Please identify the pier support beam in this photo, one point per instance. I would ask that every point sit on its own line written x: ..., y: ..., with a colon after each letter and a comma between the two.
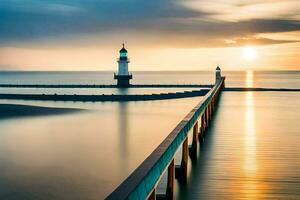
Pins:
x: 206, y: 117
x: 181, y: 170
x: 210, y: 111
x: 193, y: 148
x: 171, y: 177
x: 169, y: 195
x: 152, y: 195
x: 202, y: 128
x: 215, y: 102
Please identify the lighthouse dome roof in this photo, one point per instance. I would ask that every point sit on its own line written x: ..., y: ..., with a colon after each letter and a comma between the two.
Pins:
x: 123, y: 50
x: 218, y: 68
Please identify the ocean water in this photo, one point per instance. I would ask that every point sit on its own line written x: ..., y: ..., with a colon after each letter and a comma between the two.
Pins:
x: 278, y: 79
x: 265, y: 79
x: 251, y: 151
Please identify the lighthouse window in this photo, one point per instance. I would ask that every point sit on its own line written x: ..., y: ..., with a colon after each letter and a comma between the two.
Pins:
x: 123, y: 54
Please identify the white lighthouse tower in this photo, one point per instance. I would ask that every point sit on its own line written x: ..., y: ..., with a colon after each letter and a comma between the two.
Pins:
x: 123, y: 75
x: 218, y: 74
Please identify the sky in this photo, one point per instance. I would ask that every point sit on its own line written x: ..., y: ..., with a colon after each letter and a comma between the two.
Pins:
x: 159, y: 34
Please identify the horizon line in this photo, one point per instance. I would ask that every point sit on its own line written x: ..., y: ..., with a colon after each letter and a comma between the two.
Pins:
x: 206, y: 70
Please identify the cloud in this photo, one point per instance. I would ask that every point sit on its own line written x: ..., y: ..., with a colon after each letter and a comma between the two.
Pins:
x: 21, y: 20
x: 172, y: 23
x: 239, y: 10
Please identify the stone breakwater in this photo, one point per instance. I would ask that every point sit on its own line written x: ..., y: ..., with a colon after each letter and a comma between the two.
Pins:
x: 104, y: 86
x: 105, y: 97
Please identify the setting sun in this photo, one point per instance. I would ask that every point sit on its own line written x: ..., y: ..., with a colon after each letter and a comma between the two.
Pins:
x: 249, y: 53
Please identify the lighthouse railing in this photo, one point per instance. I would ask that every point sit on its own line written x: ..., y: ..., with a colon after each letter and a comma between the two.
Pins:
x: 119, y: 59
x: 143, y: 181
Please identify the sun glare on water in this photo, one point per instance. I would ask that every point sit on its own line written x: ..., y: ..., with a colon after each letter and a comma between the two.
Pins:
x: 249, y: 53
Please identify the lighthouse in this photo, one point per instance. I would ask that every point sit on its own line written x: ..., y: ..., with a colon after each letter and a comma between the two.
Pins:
x: 123, y: 76
x: 218, y: 74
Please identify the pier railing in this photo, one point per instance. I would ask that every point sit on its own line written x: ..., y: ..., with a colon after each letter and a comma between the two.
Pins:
x: 142, y: 183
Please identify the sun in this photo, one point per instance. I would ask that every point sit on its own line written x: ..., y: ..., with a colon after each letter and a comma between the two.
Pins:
x: 249, y: 53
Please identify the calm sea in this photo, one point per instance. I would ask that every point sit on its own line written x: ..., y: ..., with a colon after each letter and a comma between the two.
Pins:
x: 252, y: 151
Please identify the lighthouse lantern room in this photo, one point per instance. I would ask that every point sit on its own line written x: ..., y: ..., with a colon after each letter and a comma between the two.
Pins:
x: 123, y: 76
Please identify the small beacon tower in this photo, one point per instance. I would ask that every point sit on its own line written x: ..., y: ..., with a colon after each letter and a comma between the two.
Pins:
x: 218, y: 74
x: 123, y: 75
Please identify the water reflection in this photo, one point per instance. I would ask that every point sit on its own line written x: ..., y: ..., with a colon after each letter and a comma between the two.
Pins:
x: 83, y: 155
x: 249, y: 78
x: 252, y: 151
x: 250, y: 136
x: 250, y: 173
x: 123, y: 131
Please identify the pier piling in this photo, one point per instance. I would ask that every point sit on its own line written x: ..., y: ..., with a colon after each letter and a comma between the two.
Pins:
x: 206, y: 118
x: 193, y: 148
x: 202, y: 128
x: 152, y: 195
x: 171, y: 177
x: 181, y: 170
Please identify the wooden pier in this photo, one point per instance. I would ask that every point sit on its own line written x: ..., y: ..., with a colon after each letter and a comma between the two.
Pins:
x: 142, y: 183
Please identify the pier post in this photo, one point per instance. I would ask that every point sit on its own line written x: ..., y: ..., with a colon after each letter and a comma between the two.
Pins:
x: 204, y: 122
x: 215, y: 102
x: 206, y: 117
x: 202, y: 128
x: 152, y: 195
x: 170, y: 184
x: 193, y: 148
x: 181, y: 170
x: 210, y: 111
